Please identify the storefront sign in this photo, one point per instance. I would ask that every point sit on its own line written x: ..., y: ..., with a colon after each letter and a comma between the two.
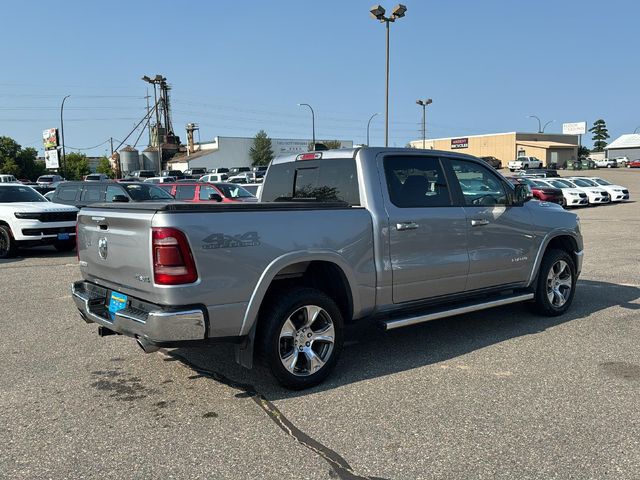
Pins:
x: 578, y: 128
x: 459, y: 143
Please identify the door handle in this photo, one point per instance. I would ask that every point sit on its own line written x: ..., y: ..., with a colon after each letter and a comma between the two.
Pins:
x: 479, y: 222
x: 406, y: 226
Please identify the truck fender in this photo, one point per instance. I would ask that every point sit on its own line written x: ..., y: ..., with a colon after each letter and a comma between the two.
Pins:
x: 543, y: 248
x: 278, y: 264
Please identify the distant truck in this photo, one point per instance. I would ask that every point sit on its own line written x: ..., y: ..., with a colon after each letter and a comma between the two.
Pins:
x: 524, y: 163
x: 392, y: 236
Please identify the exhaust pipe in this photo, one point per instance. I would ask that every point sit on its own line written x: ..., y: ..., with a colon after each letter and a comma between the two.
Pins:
x: 146, y: 346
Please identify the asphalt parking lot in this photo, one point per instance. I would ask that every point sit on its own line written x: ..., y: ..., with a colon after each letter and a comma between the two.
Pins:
x: 495, y: 394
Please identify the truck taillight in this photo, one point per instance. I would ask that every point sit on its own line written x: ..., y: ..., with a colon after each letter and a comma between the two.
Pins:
x: 172, y: 259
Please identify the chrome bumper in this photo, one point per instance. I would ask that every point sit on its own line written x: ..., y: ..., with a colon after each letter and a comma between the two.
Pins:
x: 139, y: 319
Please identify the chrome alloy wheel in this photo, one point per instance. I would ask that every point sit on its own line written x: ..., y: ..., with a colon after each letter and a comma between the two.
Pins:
x: 306, y: 340
x: 559, y: 284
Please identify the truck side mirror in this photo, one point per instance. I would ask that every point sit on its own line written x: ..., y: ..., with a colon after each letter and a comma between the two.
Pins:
x: 522, y: 194
x: 215, y: 196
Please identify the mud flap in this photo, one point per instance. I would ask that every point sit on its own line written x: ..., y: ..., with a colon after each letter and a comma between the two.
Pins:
x: 244, y: 351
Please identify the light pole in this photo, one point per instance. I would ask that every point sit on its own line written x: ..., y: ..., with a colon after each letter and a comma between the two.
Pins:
x: 424, y: 104
x: 313, y: 124
x: 64, y: 158
x: 368, y: 124
x: 377, y: 12
x: 539, y: 123
x: 540, y: 127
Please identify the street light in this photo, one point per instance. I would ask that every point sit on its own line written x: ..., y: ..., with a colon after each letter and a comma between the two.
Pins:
x: 313, y: 124
x: 540, y: 127
x: 377, y: 12
x: 369, y: 124
x: 424, y: 104
x: 64, y: 157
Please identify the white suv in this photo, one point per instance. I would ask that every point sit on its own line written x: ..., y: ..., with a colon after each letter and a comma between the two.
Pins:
x: 28, y: 219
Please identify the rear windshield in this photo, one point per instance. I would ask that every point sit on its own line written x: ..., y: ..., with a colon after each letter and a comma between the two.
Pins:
x: 139, y: 192
x: 20, y: 194
x: 320, y: 180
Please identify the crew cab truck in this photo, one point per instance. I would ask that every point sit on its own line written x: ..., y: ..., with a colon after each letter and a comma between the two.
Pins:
x: 27, y: 219
x: 375, y: 235
x: 524, y: 163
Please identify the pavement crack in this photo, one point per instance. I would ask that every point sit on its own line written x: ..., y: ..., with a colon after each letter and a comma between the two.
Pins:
x: 340, y: 466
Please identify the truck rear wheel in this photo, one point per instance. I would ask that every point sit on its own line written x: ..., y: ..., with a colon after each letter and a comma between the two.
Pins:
x: 301, y: 334
x: 8, y: 245
x: 555, y: 286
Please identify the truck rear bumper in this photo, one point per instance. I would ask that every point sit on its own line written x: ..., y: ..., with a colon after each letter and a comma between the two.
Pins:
x: 156, y: 324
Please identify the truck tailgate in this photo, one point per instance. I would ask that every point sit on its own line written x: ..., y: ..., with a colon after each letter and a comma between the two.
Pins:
x: 114, y: 248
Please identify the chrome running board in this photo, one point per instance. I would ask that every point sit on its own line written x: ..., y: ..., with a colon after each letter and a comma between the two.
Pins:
x: 443, y: 313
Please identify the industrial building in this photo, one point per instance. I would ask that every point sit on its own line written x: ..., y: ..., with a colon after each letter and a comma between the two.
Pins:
x: 234, y: 152
x: 625, y: 146
x: 551, y: 148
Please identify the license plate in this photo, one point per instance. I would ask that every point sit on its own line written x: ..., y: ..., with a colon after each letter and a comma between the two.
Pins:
x: 63, y: 236
x: 117, y: 302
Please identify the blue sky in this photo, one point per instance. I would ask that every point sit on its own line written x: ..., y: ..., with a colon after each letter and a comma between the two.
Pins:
x: 238, y: 67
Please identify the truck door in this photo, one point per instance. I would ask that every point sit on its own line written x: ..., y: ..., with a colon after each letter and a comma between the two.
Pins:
x: 501, y: 235
x: 427, y: 230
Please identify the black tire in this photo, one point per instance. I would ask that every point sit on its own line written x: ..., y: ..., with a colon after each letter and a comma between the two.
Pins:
x: 291, y: 303
x: 541, y: 303
x: 8, y: 245
x: 65, y: 246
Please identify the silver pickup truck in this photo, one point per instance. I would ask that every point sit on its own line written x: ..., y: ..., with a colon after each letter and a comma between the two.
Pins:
x: 392, y: 236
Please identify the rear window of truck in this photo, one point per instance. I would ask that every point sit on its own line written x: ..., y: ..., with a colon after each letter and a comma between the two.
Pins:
x: 327, y: 180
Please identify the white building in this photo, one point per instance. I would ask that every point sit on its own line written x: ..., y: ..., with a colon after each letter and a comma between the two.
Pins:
x: 234, y: 152
x: 625, y: 146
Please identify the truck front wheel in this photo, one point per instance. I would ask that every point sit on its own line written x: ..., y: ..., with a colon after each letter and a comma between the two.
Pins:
x: 7, y: 243
x: 301, y: 334
x: 556, y: 284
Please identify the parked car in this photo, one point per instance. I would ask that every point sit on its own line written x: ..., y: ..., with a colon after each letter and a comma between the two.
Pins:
x: 49, y: 195
x: 219, y: 170
x: 344, y: 235
x: 540, y: 172
x: 237, y: 170
x: 194, y: 173
x: 214, y: 177
x: 540, y: 191
x: 606, y: 163
x: 45, y: 180
x: 634, y: 163
x: 524, y: 163
x: 97, y: 177
x: 621, y: 161
x: 27, y: 219
x: 617, y: 193
x: 209, y: 192
x: 81, y: 194
x: 596, y: 195
x: 139, y: 175
x: 160, y: 180
x: 573, y: 197
x: 493, y: 161
x: 8, y: 179
x: 172, y: 173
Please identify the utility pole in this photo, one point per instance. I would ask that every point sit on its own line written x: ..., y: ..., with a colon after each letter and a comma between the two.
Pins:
x: 147, y: 96
x: 111, y: 141
x: 64, y: 157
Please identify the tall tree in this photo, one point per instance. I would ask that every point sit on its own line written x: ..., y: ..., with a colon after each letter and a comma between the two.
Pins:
x: 261, y: 152
x: 104, y: 166
x: 600, y: 135
x: 76, y: 166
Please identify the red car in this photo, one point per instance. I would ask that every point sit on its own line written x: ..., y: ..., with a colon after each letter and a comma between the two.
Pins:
x: 634, y: 163
x: 540, y: 191
x: 208, y: 192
